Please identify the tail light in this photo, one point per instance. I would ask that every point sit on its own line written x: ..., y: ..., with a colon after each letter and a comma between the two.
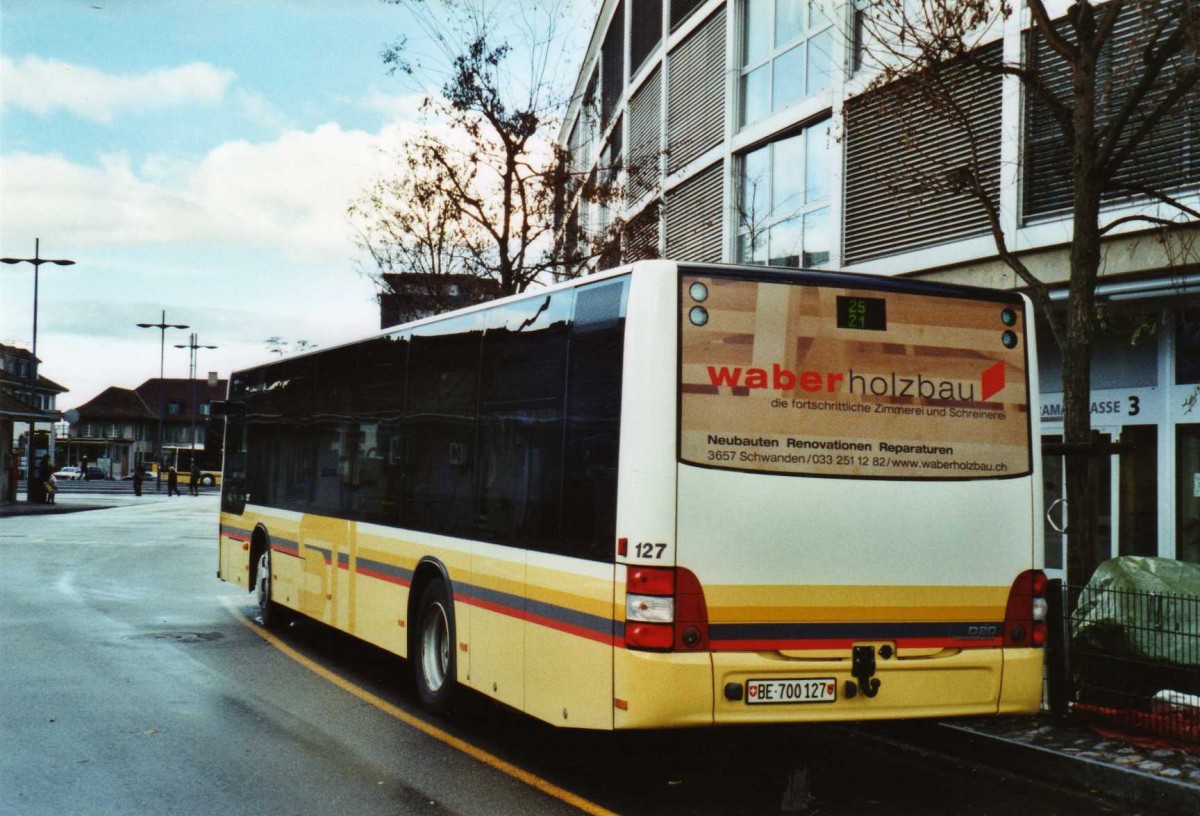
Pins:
x: 665, y: 610
x: 1025, y: 617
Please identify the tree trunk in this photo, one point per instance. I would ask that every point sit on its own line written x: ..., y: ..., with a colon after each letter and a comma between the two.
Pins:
x: 1082, y: 469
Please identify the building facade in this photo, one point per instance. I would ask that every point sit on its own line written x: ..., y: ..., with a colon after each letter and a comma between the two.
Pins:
x: 414, y: 295
x: 747, y: 131
x: 19, y: 415
x: 118, y: 428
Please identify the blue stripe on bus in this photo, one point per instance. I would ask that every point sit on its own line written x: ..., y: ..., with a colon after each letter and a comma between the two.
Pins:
x: 857, y: 631
x: 325, y: 552
x: 385, y: 572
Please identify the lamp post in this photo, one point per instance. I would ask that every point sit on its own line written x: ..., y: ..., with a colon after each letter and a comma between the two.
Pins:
x: 192, y: 345
x: 162, y: 325
x: 37, y: 262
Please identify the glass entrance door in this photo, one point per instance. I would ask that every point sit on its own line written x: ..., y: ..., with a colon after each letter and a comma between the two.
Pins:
x: 1057, y: 516
x: 1187, y: 493
x: 1127, y: 482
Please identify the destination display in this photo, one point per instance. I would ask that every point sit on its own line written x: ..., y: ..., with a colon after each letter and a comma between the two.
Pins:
x: 797, y: 378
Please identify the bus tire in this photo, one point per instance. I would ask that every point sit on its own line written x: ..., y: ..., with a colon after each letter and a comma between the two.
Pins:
x: 207, y: 480
x: 270, y: 613
x: 433, y: 657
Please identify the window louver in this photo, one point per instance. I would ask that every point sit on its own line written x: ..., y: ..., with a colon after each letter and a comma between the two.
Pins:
x: 1168, y: 159
x: 694, y: 218
x: 696, y: 93
x: 907, y: 157
x: 641, y: 235
x: 644, y: 136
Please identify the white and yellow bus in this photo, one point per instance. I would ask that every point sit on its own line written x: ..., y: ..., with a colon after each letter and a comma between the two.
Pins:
x: 664, y: 495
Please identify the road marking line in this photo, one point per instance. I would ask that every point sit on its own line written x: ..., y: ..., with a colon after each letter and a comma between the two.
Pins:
x: 545, y: 786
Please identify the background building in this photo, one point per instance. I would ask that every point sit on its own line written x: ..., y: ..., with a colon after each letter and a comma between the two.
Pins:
x: 745, y: 133
x: 118, y: 427
x: 413, y: 295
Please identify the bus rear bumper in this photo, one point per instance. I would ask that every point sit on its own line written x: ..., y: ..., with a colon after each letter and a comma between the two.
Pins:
x: 655, y: 690
x: 952, y: 683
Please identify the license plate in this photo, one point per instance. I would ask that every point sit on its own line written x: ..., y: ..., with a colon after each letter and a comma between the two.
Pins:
x: 809, y: 690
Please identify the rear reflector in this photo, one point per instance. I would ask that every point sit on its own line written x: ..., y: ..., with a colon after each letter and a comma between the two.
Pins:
x: 1025, y: 616
x: 650, y: 581
x: 665, y: 610
x: 649, y: 636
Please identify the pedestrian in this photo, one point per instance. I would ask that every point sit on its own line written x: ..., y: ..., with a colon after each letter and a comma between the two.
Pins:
x: 51, y: 488
x: 195, y: 485
x: 138, y: 477
x: 14, y: 476
x: 173, y: 482
x: 39, y: 480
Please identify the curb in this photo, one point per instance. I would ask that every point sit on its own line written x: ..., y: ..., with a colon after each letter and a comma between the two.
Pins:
x: 1127, y: 784
x: 14, y: 511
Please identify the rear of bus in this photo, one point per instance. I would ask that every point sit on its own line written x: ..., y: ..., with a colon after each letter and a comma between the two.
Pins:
x: 838, y: 518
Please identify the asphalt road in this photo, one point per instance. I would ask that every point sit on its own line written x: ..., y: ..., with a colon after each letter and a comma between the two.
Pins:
x: 130, y: 683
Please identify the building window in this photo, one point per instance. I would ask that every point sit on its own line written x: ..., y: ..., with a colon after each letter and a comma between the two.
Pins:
x: 783, y: 200
x: 645, y: 31
x: 174, y: 408
x: 787, y: 55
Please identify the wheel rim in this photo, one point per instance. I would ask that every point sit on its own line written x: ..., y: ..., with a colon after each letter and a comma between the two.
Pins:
x: 263, y: 583
x: 435, y: 647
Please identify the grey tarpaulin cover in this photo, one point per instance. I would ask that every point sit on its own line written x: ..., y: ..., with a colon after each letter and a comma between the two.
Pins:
x: 1140, y: 607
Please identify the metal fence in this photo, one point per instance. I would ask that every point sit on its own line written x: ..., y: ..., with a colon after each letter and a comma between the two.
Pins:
x: 1128, y: 660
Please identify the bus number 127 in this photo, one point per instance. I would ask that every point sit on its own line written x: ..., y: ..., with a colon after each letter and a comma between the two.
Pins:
x: 650, y: 549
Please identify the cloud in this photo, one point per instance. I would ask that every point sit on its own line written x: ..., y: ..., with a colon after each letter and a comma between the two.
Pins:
x: 256, y: 108
x: 288, y: 194
x: 396, y: 107
x: 45, y: 86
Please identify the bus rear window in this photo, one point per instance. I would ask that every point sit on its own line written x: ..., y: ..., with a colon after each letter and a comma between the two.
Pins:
x: 797, y: 377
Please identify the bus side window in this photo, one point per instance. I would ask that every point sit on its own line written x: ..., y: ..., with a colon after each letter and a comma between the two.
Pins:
x: 521, y: 421
x: 595, y: 359
x: 439, y: 477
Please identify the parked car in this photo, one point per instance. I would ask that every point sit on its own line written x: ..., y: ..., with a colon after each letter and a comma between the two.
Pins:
x: 94, y: 474
x: 69, y: 472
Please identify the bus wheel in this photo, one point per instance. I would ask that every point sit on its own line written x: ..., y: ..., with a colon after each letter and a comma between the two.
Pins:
x: 269, y: 612
x: 207, y: 480
x: 433, y: 663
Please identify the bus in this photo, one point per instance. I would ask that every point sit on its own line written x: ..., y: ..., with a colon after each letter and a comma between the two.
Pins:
x: 664, y: 495
x: 181, y: 459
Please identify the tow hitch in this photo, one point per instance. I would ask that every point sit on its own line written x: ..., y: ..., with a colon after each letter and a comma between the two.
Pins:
x: 862, y: 668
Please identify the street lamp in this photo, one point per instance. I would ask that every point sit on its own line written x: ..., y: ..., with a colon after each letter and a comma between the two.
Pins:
x: 193, y: 344
x: 37, y: 262
x: 162, y: 325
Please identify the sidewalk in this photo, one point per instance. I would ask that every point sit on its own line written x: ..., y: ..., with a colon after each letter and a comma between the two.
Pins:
x: 1156, y: 778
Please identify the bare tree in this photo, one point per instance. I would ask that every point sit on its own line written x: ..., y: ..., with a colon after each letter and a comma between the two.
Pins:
x: 408, y: 229
x: 480, y: 181
x: 1103, y: 80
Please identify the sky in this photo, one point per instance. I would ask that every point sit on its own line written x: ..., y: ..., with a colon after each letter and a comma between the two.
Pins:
x: 197, y: 157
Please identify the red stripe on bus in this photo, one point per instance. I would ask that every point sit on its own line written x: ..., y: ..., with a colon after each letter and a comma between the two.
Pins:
x: 294, y: 552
